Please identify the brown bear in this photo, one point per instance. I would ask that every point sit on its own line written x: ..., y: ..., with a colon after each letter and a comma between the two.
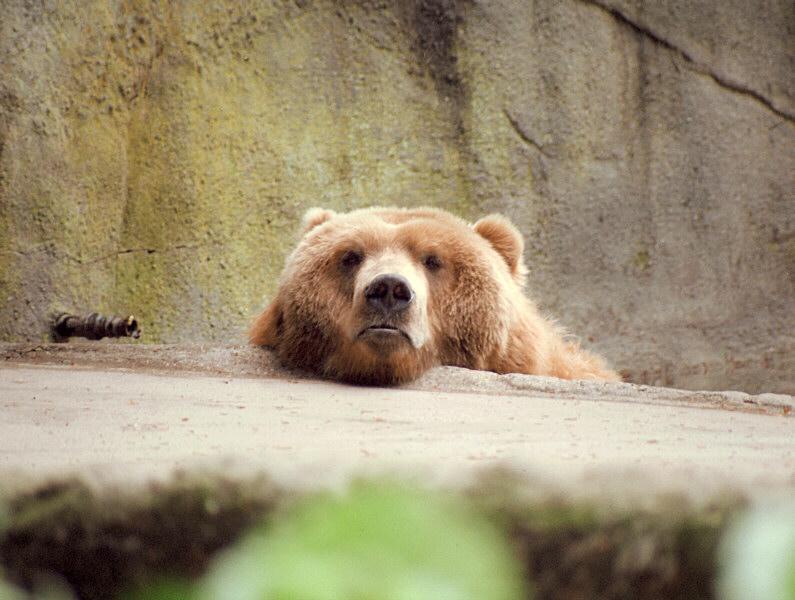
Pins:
x: 380, y: 295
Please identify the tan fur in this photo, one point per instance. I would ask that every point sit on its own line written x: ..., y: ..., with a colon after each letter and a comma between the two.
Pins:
x: 315, y: 217
x: 470, y: 311
x: 507, y: 241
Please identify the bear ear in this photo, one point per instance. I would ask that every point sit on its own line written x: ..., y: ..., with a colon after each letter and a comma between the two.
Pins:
x: 314, y: 217
x: 506, y: 240
x: 266, y: 329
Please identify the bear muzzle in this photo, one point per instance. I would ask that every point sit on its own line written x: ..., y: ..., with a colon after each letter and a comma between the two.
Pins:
x: 390, y: 297
x: 389, y: 294
x: 386, y: 299
x: 389, y: 309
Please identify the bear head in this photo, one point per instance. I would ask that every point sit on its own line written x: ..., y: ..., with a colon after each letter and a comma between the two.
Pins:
x: 378, y: 296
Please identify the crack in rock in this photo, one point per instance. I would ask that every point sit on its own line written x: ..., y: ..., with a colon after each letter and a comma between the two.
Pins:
x: 523, y: 135
x: 88, y: 261
x: 693, y: 64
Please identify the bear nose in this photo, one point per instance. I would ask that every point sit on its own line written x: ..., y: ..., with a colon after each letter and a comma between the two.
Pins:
x: 389, y: 293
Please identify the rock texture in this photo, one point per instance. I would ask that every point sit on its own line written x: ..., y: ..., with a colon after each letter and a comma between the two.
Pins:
x: 155, y: 160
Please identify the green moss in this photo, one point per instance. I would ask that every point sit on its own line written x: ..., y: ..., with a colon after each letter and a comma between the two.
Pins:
x: 9, y: 275
x: 554, y: 515
x: 789, y: 259
x: 171, y: 163
x: 642, y: 260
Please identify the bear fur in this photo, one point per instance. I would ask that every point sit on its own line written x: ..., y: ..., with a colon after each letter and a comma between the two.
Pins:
x: 380, y: 295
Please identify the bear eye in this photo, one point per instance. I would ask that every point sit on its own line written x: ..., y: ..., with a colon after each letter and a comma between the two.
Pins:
x: 432, y: 262
x: 351, y: 259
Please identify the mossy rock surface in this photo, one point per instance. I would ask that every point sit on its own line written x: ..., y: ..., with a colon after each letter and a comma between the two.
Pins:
x: 105, y: 543
x: 156, y: 160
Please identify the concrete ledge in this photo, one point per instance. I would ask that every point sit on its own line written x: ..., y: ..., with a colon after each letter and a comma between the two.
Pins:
x: 245, y: 361
x: 134, y: 413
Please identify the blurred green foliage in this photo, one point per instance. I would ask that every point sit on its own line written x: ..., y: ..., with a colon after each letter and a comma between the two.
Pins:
x: 378, y: 542
x: 758, y: 556
x: 386, y: 541
x: 48, y: 590
x: 10, y: 593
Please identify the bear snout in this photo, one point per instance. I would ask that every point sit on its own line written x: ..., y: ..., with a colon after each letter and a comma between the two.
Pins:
x: 389, y: 293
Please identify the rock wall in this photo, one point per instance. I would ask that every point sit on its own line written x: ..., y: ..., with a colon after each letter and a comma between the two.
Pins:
x: 155, y: 158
